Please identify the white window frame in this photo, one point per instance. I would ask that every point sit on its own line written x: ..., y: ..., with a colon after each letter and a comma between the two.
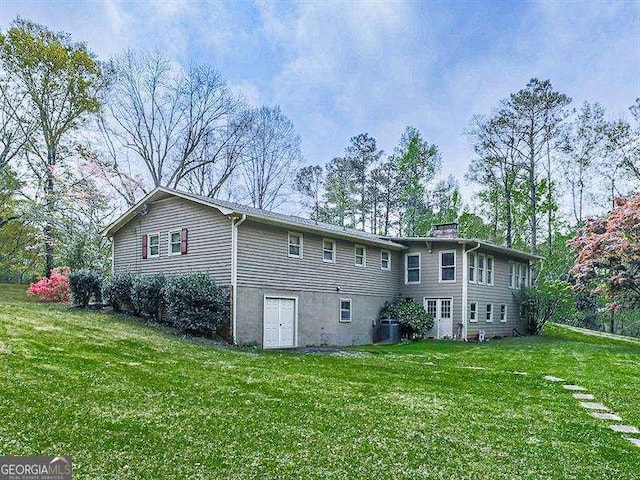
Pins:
x: 473, y: 312
x: 388, y: 267
x: 406, y: 268
x: 526, y: 269
x: 473, y: 267
x: 356, y: 256
x: 488, y: 310
x: 149, y: 235
x: 170, y: 244
x: 503, y: 313
x: 489, y: 281
x: 518, y: 276
x: 481, y: 277
x: 440, y: 280
x: 512, y: 274
x: 289, y: 245
x: 340, y: 310
x: 333, y: 250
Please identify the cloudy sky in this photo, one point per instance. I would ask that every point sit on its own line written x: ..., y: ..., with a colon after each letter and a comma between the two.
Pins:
x: 341, y: 68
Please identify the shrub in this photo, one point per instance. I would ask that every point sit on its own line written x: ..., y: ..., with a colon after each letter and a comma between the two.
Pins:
x: 85, y: 285
x: 412, y: 316
x: 551, y: 300
x: 147, y: 295
x: 195, y: 304
x: 116, y: 291
x: 53, y: 289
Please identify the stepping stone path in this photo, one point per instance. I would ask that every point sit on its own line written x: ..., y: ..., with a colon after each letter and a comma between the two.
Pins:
x: 606, y: 416
x: 551, y: 378
x: 574, y: 388
x: 583, y: 396
x: 635, y: 441
x: 593, y: 406
x: 624, y: 428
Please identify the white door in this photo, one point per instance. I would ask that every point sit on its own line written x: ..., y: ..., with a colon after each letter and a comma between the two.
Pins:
x: 279, y: 322
x: 440, y: 310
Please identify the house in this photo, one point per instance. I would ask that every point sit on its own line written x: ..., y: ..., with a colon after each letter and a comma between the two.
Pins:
x: 297, y: 282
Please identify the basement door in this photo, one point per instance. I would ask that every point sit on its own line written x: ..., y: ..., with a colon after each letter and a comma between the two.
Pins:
x: 279, y: 322
x: 441, y: 310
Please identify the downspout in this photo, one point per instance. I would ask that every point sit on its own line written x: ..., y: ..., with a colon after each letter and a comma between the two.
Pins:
x: 234, y: 273
x: 465, y: 287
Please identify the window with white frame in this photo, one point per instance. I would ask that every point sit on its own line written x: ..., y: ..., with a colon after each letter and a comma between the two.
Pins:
x: 154, y: 244
x: 503, y: 313
x: 360, y: 252
x: 518, y: 275
x: 489, y: 315
x: 473, y: 312
x: 295, y: 245
x: 431, y: 305
x: 175, y: 242
x: 448, y: 266
x: 385, y: 260
x: 412, y: 268
x: 328, y: 250
x: 481, y: 263
x: 489, y: 275
x: 345, y: 309
x: 472, y: 267
x: 525, y: 273
x: 512, y: 274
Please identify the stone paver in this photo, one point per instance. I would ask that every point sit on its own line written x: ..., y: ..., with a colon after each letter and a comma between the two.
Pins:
x: 583, y: 396
x: 575, y: 388
x: 551, y: 378
x: 635, y: 441
x: 606, y: 416
x: 624, y: 428
x: 593, y: 406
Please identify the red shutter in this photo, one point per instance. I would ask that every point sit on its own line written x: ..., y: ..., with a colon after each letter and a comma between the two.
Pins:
x: 145, y: 239
x: 183, y: 241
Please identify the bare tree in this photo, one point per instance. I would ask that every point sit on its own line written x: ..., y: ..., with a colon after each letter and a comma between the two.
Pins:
x: 272, y: 157
x: 17, y: 122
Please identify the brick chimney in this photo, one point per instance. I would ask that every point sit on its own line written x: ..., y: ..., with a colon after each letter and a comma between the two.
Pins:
x: 444, y: 230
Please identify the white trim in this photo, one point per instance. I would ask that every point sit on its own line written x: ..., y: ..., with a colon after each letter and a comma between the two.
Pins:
x: 486, y: 270
x: 465, y: 287
x: 364, y: 255
x: 511, y: 272
x: 471, y: 311
x: 506, y: 313
x: 490, y: 319
x: 440, y: 280
x: 406, y: 269
x: 388, y: 252
x: 113, y: 255
x: 234, y: 275
x: 481, y: 273
x: 333, y: 255
x: 295, y: 316
x: 438, y: 314
x: 474, y: 255
x: 169, y: 244
x: 149, y: 235
x: 350, y: 310
x: 289, y: 244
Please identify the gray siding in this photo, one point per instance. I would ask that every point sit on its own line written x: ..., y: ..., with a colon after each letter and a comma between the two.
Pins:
x: 429, y: 286
x: 497, y: 294
x: 209, y: 246
x: 263, y: 261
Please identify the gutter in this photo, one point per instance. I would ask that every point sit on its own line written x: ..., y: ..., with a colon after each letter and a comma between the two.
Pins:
x: 465, y: 286
x: 234, y: 273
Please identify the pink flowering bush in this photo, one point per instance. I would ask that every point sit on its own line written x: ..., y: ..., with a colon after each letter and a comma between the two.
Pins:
x: 54, y: 289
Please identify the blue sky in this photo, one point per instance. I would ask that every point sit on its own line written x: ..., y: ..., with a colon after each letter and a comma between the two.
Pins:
x: 341, y: 68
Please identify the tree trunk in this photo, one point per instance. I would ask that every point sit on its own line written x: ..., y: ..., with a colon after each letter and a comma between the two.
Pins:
x: 50, y: 211
x: 533, y: 221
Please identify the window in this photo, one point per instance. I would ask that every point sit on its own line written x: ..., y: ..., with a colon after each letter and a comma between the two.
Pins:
x: 432, y: 307
x: 481, y: 259
x: 328, y: 251
x: 503, y: 313
x: 525, y: 274
x: 445, y: 308
x: 154, y: 245
x: 295, y: 245
x: 175, y: 243
x: 345, y: 309
x: 518, y: 275
x: 361, y: 255
x: 448, y: 266
x: 385, y: 260
x: 472, y: 267
x: 512, y: 279
x: 489, y: 270
x: 412, y: 264
x: 473, y: 312
x: 489, y: 317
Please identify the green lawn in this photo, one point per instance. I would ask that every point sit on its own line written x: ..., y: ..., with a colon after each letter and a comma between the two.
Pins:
x: 128, y: 401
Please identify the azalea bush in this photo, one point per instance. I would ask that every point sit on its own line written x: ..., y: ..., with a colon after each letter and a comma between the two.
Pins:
x: 412, y: 316
x: 55, y: 288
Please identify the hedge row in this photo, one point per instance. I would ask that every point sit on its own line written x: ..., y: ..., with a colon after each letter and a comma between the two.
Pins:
x: 192, y: 303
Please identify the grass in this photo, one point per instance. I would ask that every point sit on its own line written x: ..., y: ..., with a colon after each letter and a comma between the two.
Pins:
x: 128, y: 401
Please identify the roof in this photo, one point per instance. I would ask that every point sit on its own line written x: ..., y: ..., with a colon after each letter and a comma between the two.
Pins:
x: 463, y: 241
x: 264, y: 216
